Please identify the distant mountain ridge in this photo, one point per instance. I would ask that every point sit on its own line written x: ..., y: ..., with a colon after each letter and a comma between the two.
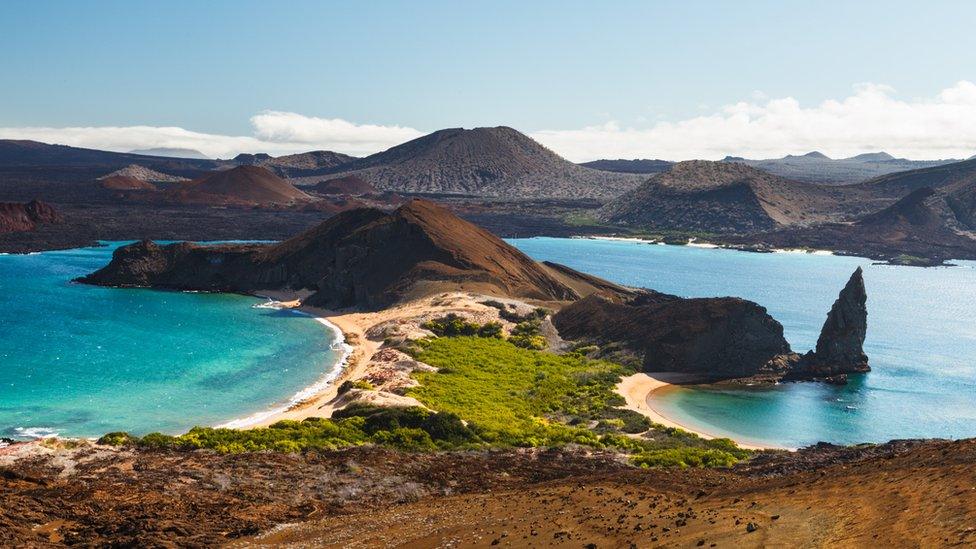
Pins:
x: 637, y: 165
x: 488, y: 162
x: 172, y: 152
x: 816, y: 167
x: 724, y: 198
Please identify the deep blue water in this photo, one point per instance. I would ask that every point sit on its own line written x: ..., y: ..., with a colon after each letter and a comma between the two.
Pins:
x: 82, y: 361
x: 921, y: 339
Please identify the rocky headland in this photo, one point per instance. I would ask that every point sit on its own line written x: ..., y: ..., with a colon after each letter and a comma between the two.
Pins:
x: 720, y: 339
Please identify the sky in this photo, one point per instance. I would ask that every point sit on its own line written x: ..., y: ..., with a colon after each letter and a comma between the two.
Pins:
x: 641, y: 79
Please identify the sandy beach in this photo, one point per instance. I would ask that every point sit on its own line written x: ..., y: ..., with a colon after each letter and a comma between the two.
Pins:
x: 355, y: 327
x: 638, y: 390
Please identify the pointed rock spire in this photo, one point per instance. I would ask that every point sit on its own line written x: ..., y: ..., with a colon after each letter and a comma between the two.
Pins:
x: 840, y: 349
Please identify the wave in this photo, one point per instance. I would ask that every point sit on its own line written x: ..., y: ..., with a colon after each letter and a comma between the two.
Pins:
x: 34, y: 433
x: 340, y: 345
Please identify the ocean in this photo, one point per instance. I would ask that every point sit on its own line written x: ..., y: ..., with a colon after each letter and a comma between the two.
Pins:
x: 82, y: 361
x: 921, y: 340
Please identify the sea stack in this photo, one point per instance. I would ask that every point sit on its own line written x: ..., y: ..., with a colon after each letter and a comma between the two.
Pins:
x: 840, y: 348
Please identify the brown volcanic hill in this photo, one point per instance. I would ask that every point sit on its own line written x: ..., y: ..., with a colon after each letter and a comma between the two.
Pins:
x: 916, y: 227
x: 359, y: 257
x: 350, y: 184
x: 724, y: 197
x: 489, y: 162
x: 638, y: 165
x: 294, y: 166
x: 240, y: 185
x: 16, y: 217
x: 125, y: 183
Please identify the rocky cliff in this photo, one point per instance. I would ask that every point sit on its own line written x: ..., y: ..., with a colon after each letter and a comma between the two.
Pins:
x: 362, y: 257
x: 720, y: 338
x: 840, y: 348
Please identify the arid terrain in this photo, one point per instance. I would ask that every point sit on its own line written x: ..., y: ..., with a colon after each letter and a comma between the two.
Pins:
x: 919, y: 494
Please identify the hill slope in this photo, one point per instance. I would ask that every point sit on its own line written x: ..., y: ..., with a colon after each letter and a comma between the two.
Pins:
x: 728, y: 198
x: 302, y: 165
x: 642, y: 165
x: 916, y: 229
x: 240, y: 185
x: 141, y: 173
x: 816, y: 167
x: 360, y: 257
x: 490, y: 162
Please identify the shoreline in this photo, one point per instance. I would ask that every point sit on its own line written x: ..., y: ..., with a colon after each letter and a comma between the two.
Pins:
x: 305, y: 394
x: 316, y: 400
x: 638, y: 391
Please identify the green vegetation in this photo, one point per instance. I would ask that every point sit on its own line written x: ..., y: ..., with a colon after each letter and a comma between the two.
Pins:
x: 355, y: 384
x: 527, y: 335
x: 910, y: 261
x: 413, y: 429
x: 518, y: 397
x: 452, y: 325
x: 488, y: 392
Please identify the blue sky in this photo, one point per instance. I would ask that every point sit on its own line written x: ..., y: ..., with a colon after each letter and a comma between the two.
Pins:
x: 211, y: 66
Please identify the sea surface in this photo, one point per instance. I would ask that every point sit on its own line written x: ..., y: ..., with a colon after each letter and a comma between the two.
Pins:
x: 921, y: 340
x: 80, y: 360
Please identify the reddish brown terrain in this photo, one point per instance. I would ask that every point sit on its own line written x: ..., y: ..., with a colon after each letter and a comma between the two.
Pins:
x: 241, y: 185
x: 915, y: 494
x: 16, y: 217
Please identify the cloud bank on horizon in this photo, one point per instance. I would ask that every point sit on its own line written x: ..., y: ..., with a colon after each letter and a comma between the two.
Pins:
x: 870, y: 119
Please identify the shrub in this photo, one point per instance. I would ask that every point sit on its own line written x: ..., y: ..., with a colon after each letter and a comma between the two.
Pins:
x: 118, y: 438
x: 684, y: 457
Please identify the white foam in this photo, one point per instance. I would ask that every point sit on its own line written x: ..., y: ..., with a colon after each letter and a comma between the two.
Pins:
x: 339, y: 345
x: 801, y: 251
x: 35, y: 432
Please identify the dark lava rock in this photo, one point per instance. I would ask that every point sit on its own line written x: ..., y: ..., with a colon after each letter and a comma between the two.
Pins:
x: 721, y: 338
x: 840, y: 348
x: 718, y: 338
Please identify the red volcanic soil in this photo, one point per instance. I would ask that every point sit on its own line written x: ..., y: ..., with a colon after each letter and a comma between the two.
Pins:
x: 16, y: 217
x: 240, y: 185
x: 909, y: 493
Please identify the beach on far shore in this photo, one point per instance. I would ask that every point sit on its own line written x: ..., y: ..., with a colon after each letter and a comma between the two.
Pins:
x: 638, y: 391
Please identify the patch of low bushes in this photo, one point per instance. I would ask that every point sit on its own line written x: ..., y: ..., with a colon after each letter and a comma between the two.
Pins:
x: 412, y: 429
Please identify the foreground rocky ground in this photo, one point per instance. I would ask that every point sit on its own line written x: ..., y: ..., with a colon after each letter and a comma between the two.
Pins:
x: 898, y: 494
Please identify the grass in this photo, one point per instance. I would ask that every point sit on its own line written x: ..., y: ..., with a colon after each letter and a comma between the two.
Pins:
x: 487, y: 393
x: 519, y: 397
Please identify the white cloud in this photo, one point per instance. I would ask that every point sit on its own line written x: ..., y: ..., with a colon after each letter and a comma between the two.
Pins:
x: 274, y: 132
x: 871, y: 119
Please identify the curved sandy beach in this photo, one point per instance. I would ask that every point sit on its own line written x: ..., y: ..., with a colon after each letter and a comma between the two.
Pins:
x: 638, y: 390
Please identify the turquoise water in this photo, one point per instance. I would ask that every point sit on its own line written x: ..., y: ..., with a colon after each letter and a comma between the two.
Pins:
x: 921, y: 340
x: 82, y: 361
